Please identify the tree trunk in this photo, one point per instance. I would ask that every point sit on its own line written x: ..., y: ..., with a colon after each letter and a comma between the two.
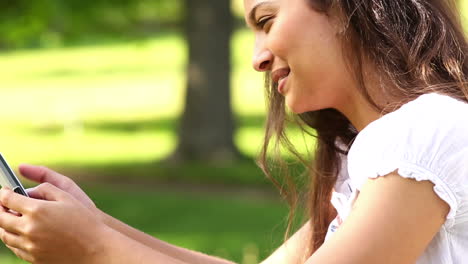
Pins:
x: 207, y: 125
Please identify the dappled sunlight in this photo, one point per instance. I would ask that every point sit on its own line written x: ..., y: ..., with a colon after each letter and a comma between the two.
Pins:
x: 52, y: 97
x: 120, y: 81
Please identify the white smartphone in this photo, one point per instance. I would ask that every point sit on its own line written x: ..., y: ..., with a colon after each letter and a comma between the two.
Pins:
x: 9, y: 179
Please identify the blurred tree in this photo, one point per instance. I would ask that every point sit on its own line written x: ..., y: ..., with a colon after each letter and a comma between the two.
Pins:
x: 207, y: 124
x: 18, y: 25
x: 48, y: 23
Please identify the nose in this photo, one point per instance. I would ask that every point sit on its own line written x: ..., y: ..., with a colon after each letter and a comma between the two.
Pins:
x: 262, y: 60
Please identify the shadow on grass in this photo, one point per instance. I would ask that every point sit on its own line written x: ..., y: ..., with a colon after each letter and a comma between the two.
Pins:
x: 239, y: 173
x: 238, y: 177
x: 163, y: 124
x: 63, y: 73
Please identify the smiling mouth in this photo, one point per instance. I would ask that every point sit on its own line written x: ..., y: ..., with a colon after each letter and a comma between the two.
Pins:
x: 280, y: 74
x: 280, y: 77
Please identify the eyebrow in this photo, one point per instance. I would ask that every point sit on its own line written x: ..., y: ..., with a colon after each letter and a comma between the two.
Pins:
x: 253, y: 12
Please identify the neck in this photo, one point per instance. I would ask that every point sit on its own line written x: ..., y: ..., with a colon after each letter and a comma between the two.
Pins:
x: 359, y: 112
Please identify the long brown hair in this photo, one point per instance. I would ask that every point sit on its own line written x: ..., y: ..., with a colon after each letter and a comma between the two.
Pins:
x: 416, y: 46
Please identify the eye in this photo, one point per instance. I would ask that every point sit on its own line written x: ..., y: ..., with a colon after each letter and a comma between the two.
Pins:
x: 264, y: 23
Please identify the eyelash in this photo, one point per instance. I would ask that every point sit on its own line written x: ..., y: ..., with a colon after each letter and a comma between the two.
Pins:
x: 262, y: 22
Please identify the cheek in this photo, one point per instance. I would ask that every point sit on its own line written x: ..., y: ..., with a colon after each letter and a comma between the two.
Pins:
x: 317, y: 86
x: 319, y: 65
x: 285, y: 35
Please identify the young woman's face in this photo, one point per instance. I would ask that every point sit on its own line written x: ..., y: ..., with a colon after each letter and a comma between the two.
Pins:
x: 301, y: 49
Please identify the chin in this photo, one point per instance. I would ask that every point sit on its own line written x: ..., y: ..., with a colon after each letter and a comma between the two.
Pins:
x: 302, y: 106
x: 297, y: 111
x: 298, y: 107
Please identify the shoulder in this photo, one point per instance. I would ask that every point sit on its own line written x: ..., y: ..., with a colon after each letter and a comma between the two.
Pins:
x: 431, y: 124
x: 430, y: 114
x: 427, y: 121
x: 426, y: 139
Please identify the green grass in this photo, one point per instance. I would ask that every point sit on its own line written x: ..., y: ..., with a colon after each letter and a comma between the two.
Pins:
x: 53, y: 101
x: 247, y: 223
x: 88, y: 110
x: 125, y: 81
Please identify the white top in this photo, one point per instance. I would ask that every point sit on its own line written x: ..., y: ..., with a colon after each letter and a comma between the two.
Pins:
x: 426, y: 139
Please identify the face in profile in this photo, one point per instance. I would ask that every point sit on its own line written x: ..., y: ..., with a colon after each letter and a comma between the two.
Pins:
x: 301, y: 49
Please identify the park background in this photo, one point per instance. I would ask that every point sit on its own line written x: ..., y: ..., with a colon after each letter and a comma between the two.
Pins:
x: 97, y: 90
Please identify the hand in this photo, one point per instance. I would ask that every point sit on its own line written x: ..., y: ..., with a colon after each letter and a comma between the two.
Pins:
x: 42, y: 174
x: 56, y: 229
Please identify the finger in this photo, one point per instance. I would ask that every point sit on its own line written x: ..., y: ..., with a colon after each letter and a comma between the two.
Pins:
x: 32, y: 193
x: 11, y: 248
x: 43, y: 174
x: 10, y: 223
x: 6, y: 210
x: 48, y: 192
x: 22, y: 254
x: 16, y: 202
x: 11, y: 239
x: 29, y: 191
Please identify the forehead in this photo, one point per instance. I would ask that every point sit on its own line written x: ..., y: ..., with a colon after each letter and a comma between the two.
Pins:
x: 250, y: 4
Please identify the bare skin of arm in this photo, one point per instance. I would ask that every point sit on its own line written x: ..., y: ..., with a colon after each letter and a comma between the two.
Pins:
x: 393, y: 221
x: 294, y: 250
x: 185, y: 255
x: 413, y: 214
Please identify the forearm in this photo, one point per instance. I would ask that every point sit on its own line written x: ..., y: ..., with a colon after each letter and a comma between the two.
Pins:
x: 178, y: 253
x: 116, y: 248
x: 294, y: 251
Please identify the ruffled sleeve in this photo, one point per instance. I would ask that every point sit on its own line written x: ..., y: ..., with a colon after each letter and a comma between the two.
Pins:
x: 426, y: 139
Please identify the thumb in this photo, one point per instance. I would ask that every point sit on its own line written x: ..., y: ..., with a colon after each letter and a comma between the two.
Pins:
x: 47, y: 192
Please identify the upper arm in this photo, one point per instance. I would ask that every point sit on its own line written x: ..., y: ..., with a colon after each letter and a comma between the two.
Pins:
x: 294, y: 250
x: 392, y: 221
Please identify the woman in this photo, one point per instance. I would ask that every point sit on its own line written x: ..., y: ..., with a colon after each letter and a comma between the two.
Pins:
x: 384, y: 85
